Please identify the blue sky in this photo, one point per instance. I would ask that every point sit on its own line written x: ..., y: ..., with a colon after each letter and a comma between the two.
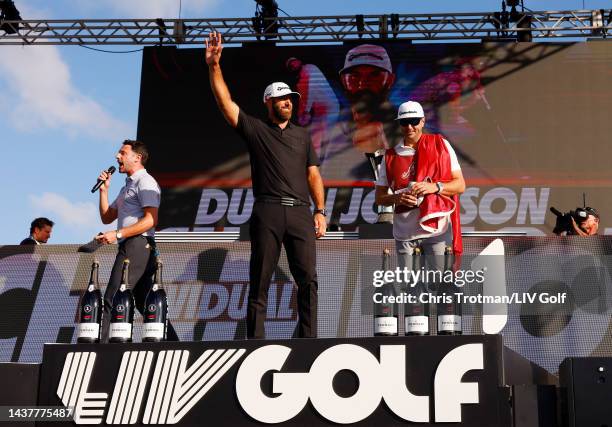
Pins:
x: 64, y: 110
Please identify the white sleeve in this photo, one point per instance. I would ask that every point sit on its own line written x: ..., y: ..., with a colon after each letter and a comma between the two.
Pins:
x: 382, y: 174
x: 453, y: 157
x: 149, y: 193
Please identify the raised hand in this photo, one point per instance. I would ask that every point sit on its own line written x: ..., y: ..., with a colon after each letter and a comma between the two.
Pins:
x: 214, y: 46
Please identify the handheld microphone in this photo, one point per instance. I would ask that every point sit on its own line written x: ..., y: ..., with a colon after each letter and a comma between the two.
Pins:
x: 110, y: 171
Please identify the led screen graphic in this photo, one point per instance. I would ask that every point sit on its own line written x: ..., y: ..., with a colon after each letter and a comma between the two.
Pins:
x: 528, y: 122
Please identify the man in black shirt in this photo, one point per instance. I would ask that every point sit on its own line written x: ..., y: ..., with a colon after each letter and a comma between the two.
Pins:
x: 284, y: 170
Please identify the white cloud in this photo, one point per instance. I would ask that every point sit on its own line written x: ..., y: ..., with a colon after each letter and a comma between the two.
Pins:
x: 146, y: 9
x: 36, y: 88
x: 38, y: 82
x: 74, y: 221
x: 60, y: 209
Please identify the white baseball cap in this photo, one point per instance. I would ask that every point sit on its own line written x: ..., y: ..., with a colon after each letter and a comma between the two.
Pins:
x: 367, y: 54
x: 277, y: 89
x: 409, y: 110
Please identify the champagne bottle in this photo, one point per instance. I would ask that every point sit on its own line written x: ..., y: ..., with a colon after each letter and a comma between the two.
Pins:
x: 449, y: 310
x: 122, y: 313
x: 156, y: 309
x: 416, y: 308
x: 385, y: 312
x: 90, y: 309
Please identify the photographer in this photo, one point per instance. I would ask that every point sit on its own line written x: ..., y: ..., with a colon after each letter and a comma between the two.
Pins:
x: 579, y: 222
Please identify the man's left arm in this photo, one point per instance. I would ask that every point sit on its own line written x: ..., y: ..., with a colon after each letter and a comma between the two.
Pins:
x: 315, y: 185
x: 455, y: 186
x: 147, y: 221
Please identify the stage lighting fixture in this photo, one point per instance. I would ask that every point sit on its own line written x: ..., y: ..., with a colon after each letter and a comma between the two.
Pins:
x: 395, y: 24
x: 524, y: 22
x: 501, y: 21
x: 257, y: 25
x: 265, y: 20
x: 268, y: 4
x: 504, y: 18
x: 8, y: 12
x: 360, y: 22
x: 162, y: 30
x: 515, y: 15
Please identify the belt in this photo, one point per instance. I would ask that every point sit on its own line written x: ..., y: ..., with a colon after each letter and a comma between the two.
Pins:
x: 150, y: 240
x: 285, y: 201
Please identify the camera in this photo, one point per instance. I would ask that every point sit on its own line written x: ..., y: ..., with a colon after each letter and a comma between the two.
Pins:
x: 564, y: 223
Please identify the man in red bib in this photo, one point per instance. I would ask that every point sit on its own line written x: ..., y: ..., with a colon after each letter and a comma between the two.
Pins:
x: 425, y: 179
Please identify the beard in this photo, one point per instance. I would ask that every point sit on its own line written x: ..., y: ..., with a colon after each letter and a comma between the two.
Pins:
x: 369, y: 106
x: 367, y: 100
x: 280, y: 114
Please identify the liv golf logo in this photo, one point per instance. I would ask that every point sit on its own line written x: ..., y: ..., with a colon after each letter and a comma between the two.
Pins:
x: 176, y: 388
x: 377, y: 379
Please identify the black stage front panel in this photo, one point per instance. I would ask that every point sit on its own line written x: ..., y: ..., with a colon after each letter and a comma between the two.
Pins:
x: 420, y: 381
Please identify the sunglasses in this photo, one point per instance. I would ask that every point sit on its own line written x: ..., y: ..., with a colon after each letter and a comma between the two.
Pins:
x: 413, y: 121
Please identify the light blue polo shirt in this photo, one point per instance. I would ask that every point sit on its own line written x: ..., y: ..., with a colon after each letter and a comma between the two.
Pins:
x: 140, y: 191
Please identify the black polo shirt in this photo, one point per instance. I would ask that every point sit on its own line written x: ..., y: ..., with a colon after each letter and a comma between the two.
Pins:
x: 279, y: 157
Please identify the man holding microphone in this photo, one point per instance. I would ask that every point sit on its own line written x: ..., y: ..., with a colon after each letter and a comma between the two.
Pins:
x: 135, y: 209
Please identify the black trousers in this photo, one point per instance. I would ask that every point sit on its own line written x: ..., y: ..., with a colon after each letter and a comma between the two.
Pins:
x: 271, y: 226
x: 140, y: 251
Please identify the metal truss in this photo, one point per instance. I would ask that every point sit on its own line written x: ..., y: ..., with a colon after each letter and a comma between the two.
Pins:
x: 324, y: 29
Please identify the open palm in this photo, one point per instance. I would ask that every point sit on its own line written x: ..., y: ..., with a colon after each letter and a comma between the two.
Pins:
x: 214, y: 46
